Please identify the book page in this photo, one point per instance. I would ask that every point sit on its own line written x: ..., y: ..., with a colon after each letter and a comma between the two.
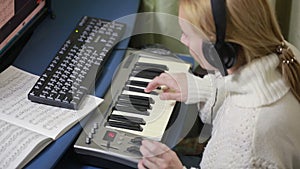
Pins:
x: 48, y: 120
x: 18, y: 145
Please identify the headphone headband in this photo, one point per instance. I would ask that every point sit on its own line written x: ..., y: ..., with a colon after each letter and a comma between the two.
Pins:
x: 222, y: 54
x: 219, y: 15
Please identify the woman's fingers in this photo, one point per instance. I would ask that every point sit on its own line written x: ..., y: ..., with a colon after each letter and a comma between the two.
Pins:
x: 173, y: 86
x: 152, y: 148
x: 157, y: 155
x: 141, y: 165
x: 148, y: 149
x: 163, y: 80
x: 154, y: 162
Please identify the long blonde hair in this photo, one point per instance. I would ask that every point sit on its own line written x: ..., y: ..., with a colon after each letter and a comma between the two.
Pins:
x: 252, y: 25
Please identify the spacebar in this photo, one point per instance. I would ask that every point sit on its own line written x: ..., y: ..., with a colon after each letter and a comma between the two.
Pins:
x: 130, y: 126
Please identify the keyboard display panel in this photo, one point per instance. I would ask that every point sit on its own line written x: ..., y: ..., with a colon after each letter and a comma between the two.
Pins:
x: 78, y: 63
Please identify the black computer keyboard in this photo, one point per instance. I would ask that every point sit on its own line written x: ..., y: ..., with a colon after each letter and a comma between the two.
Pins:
x: 76, y: 66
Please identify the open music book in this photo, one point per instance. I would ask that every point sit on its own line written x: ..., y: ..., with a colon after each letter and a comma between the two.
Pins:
x: 26, y: 127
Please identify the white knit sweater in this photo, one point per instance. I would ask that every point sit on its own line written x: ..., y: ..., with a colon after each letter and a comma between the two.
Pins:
x: 256, y: 119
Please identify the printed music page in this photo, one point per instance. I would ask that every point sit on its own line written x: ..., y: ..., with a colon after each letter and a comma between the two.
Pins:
x: 18, y: 145
x: 47, y: 120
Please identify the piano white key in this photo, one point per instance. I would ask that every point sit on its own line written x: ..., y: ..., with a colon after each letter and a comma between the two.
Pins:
x: 140, y: 79
x: 174, y: 67
x: 137, y: 93
x: 156, y: 122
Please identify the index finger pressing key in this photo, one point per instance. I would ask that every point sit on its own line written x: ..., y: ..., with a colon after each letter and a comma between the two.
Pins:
x: 155, y: 83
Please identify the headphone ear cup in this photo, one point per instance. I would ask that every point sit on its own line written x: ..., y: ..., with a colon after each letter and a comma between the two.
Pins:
x: 212, y: 56
x: 222, y: 58
x: 228, y: 54
x: 209, y: 52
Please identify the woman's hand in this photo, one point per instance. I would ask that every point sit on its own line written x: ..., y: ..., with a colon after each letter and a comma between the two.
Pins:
x: 158, y: 156
x: 174, y: 86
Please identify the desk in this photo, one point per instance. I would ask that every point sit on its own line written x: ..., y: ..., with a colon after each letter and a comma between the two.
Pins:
x: 48, y: 38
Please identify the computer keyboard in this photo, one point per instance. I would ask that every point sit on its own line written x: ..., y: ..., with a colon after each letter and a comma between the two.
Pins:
x: 78, y: 63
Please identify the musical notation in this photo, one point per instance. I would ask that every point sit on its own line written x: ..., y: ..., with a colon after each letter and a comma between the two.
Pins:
x: 27, y: 127
x: 15, y: 143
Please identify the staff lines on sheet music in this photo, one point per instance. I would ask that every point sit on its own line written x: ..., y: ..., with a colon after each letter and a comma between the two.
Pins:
x: 47, y: 117
x: 39, y: 119
x: 4, y: 126
x: 9, y: 110
x: 67, y: 116
x: 24, y: 114
x: 7, y: 89
x: 10, y: 136
x: 11, y: 156
x: 23, y: 143
x: 53, y: 118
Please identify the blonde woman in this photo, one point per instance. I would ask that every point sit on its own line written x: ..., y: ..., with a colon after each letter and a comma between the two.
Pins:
x: 253, y: 98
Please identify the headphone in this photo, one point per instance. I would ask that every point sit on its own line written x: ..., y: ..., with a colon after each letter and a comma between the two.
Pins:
x: 221, y: 55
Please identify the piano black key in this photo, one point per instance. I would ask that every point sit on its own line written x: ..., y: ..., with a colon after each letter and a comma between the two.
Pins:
x: 130, y: 110
x: 136, y: 100
x: 137, y: 83
x: 144, y: 74
x: 148, y: 69
x: 130, y: 126
x: 139, y: 90
x: 142, y: 98
x: 127, y: 119
x: 137, y: 107
x: 158, y: 66
x: 133, y: 102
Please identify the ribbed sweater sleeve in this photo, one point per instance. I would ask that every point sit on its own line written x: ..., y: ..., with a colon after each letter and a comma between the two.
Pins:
x: 208, y: 92
x: 199, y: 89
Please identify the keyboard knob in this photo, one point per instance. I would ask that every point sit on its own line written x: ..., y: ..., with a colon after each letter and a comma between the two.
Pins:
x: 134, y: 150
x: 137, y: 140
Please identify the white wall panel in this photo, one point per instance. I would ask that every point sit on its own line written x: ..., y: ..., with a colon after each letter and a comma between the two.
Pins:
x: 294, y: 32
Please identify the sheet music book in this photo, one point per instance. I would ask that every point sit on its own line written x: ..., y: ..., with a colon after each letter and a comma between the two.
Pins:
x: 26, y: 127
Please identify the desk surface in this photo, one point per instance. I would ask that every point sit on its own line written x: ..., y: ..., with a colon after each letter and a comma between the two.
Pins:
x: 48, y: 38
